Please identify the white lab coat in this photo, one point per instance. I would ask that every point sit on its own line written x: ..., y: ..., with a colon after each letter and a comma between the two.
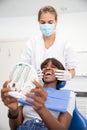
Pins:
x: 35, y: 52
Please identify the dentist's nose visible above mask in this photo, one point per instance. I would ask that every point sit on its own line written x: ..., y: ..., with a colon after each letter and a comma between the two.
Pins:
x: 47, y: 29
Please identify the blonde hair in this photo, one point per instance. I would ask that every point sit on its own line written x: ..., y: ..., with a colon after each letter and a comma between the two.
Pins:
x: 46, y: 9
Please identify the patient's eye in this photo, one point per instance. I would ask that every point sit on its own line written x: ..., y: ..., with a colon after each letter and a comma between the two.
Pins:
x: 53, y: 66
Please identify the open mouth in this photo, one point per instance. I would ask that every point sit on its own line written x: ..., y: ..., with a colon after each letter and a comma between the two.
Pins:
x: 48, y: 73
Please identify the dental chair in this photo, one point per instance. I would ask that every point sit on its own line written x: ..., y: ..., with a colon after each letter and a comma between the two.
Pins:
x: 78, y: 122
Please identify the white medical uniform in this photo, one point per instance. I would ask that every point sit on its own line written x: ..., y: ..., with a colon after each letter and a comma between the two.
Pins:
x: 35, y: 52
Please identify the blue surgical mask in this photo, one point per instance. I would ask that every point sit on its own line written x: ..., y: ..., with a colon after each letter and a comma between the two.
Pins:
x: 47, y: 29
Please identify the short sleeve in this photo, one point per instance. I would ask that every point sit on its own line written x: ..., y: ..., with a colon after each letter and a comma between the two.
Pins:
x: 71, y: 57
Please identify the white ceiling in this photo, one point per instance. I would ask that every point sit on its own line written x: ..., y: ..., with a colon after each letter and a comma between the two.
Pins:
x: 14, y: 8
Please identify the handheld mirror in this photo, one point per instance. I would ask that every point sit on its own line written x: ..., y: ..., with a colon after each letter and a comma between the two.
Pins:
x: 22, y: 75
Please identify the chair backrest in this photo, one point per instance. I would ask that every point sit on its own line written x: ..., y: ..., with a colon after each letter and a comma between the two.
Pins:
x: 79, y: 122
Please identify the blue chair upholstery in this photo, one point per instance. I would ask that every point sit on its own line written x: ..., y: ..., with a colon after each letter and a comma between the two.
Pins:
x: 79, y: 122
x: 61, y: 85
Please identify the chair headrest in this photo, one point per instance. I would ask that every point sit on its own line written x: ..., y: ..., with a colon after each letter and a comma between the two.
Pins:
x: 61, y: 85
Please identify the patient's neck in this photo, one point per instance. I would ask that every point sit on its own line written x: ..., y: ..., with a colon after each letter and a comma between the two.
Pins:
x: 51, y: 84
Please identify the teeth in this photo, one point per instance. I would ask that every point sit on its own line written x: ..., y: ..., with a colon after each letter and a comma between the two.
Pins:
x: 48, y: 73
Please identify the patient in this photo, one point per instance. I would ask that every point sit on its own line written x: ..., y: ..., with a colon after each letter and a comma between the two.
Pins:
x: 38, y: 115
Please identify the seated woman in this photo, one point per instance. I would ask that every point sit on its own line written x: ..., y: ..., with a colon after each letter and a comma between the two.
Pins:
x: 38, y: 116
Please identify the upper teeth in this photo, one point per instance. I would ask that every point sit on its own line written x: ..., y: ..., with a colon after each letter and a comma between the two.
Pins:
x: 48, y: 73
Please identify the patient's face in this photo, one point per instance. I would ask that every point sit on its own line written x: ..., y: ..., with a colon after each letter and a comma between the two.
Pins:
x: 49, y: 72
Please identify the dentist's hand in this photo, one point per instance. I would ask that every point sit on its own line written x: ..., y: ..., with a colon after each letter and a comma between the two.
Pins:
x: 63, y: 75
x: 40, y: 74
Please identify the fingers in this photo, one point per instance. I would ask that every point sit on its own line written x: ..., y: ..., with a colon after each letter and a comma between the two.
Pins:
x: 34, y: 98
x: 39, y: 71
x: 9, y: 100
x: 63, y: 75
x: 60, y: 71
x: 60, y: 77
x: 59, y: 74
x: 39, y: 90
x: 36, y: 101
x: 40, y: 74
x: 5, y: 85
x: 37, y: 84
x: 37, y: 96
x: 6, y: 89
x: 4, y: 93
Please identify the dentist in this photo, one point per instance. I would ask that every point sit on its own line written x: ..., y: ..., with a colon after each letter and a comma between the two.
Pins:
x: 50, y: 45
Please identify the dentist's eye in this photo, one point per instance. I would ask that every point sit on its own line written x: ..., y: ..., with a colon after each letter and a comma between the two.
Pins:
x: 50, y: 22
x: 42, y: 22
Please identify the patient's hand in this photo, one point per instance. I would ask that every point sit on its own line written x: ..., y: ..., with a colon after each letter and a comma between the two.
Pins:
x: 9, y: 101
x: 39, y: 96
